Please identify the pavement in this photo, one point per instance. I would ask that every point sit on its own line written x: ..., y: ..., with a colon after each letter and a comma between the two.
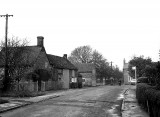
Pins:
x: 20, y: 102
x: 130, y: 107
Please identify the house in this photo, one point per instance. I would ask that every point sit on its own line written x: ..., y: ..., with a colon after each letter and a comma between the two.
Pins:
x: 65, y: 70
x: 42, y: 71
x: 126, y: 75
x: 88, y: 73
x: 27, y: 60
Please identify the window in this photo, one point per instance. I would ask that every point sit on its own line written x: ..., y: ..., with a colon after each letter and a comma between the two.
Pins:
x: 46, y: 64
x: 60, y: 71
x: 74, y: 79
x: 83, y: 80
x: 60, y: 74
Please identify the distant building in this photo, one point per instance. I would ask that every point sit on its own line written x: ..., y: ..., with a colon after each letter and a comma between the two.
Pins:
x: 88, y: 73
x: 126, y: 75
x: 65, y: 71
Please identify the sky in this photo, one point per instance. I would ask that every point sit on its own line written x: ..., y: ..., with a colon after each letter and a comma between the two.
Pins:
x: 117, y: 29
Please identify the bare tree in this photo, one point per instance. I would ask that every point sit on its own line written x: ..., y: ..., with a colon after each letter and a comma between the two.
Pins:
x: 82, y: 54
x: 16, y: 60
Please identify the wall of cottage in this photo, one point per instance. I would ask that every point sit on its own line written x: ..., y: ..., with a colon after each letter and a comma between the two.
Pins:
x: 42, y: 61
x: 93, y: 77
x: 65, y: 79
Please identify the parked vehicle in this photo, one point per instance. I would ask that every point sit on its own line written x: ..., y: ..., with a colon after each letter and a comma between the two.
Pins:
x: 133, y: 81
x: 142, y: 80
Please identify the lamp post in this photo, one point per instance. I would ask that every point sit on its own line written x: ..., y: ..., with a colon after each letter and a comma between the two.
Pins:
x: 134, y: 68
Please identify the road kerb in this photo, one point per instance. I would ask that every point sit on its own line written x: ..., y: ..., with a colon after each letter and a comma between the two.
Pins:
x: 26, y: 103
x: 123, y: 100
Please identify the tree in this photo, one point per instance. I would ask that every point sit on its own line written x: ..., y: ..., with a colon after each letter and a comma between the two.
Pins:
x: 102, y: 66
x: 151, y: 72
x: 15, y: 58
x: 140, y: 63
x: 82, y: 54
x: 117, y: 74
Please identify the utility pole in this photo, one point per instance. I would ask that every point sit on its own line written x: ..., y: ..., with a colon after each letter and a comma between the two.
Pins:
x: 111, y: 67
x: 111, y: 74
x: 6, y: 33
x: 159, y: 55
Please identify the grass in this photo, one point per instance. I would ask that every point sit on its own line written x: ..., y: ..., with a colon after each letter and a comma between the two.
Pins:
x: 3, y: 101
x: 22, y: 94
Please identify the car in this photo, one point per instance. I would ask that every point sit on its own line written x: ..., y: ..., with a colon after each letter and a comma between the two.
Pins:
x: 142, y: 80
x: 133, y: 81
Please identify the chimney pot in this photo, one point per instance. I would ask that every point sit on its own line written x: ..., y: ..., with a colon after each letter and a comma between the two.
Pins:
x: 65, y: 56
x: 40, y: 41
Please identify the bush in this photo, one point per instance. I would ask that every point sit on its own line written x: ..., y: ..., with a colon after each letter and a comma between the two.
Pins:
x: 149, y: 98
x: 141, y: 94
x: 153, y: 97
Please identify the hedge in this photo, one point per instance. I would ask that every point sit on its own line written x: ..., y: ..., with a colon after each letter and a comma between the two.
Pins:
x: 141, y: 95
x: 153, y: 97
x: 149, y: 98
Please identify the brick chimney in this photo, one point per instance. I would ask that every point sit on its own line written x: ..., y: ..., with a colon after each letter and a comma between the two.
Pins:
x: 40, y: 41
x: 65, y: 56
x: 124, y: 61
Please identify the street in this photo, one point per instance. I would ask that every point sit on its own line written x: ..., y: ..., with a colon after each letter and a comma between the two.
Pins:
x: 102, y: 101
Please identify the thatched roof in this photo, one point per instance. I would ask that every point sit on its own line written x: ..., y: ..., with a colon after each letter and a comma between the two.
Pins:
x: 60, y: 62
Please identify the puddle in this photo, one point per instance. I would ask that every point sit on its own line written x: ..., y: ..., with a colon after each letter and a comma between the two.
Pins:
x: 121, y: 96
x: 112, y: 111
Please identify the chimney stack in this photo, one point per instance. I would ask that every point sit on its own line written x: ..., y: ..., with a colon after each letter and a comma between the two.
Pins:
x: 124, y: 61
x: 40, y: 41
x: 65, y: 56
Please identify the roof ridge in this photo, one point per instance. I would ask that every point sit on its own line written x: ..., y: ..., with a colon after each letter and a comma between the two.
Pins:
x: 54, y: 55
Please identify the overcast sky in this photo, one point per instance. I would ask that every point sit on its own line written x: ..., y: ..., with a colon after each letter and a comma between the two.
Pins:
x: 118, y: 29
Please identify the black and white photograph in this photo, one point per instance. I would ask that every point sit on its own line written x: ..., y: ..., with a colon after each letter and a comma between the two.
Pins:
x: 80, y: 58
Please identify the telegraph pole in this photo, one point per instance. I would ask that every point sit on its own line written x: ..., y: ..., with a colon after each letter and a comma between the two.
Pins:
x: 111, y: 74
x: 159, y: 55
x: 111, y: 67
x: 6, y: 33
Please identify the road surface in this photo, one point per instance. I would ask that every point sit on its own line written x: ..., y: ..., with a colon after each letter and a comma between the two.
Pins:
x: 102, y: 101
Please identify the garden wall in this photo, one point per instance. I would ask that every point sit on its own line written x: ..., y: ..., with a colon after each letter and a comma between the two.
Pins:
x: 33, y: 86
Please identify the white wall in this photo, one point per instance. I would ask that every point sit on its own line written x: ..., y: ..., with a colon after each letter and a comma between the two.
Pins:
x: 65, y: 79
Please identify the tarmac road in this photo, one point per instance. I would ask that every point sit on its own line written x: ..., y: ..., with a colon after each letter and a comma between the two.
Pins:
x: 102, y: 101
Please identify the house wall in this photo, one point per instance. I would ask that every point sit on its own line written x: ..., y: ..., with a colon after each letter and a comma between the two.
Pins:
x: 90, y: 78
x: 65, y: 79
x: 88, y: 81
x: 93, y: 77
x: 42, y: 61
x: 73, y: 73
x: 126, y: 76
